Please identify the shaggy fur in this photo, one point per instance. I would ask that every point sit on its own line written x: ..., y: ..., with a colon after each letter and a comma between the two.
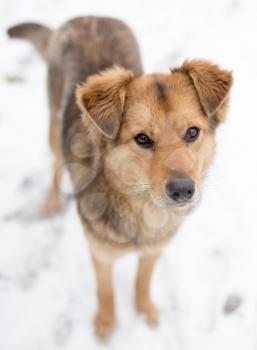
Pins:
x: 120, y: 187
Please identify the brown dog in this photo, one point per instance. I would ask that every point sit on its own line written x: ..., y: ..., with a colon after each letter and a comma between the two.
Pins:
x: 137, y: 155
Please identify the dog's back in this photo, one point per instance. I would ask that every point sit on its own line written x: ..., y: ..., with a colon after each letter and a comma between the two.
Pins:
x: 86, y: 46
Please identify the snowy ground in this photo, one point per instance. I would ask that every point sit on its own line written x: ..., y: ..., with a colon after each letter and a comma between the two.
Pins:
x: 206, y: 282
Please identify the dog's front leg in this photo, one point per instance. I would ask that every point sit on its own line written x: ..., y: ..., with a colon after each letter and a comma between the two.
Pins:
x: 105, y: 320
x: 144, y: 302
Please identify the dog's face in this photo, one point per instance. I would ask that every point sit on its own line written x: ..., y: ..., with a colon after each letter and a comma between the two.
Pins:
x: 162, y: 128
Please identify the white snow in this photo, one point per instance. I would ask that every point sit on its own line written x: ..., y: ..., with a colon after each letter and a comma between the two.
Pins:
x: 205, y: 283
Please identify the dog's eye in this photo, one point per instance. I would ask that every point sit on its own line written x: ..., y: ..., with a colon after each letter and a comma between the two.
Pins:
x: 192, y: 134
x: 144, y: 141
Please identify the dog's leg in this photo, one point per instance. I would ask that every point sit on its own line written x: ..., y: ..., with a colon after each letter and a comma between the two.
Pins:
x: 144, y: 303
x: 105, y: 320
x: 54, y: 203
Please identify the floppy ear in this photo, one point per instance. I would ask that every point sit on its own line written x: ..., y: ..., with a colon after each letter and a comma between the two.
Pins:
x: 102, y: 98
x: 211, y: 83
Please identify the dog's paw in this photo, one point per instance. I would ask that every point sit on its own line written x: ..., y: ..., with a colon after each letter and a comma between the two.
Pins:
x: 52, y: 206
x: 151, y: 313
x: 105, y: 323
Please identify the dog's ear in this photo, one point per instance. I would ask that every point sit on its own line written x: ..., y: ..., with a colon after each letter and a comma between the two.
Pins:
x: 212, y: 85
x: 102, y: 98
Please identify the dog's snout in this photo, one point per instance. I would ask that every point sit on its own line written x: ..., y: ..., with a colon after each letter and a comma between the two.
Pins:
x: 181, y: 189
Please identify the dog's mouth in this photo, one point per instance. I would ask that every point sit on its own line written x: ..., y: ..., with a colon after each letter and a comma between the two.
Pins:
x: 182, y: 205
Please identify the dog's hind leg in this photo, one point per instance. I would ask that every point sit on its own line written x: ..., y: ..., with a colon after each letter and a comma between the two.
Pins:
x: 144, y: 302
x: 54, y: 203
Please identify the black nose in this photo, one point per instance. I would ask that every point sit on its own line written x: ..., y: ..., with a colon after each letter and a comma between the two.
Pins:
x: 181, y: 189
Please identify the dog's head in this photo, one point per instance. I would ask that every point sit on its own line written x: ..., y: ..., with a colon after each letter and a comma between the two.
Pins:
x: 160, y: 127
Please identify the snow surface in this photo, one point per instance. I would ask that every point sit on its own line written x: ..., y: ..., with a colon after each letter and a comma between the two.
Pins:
x: 205, y: 284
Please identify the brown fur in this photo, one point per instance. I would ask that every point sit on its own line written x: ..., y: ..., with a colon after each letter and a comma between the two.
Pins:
x: 118, y: 186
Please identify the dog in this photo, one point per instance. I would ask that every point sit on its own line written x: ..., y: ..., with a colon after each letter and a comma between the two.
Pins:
x: 137, y: 146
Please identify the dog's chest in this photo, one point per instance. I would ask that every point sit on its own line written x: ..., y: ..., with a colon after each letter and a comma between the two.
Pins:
x: 155, y: 224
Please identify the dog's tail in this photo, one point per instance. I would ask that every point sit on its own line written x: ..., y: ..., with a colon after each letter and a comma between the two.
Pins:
x: 36, y: 33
